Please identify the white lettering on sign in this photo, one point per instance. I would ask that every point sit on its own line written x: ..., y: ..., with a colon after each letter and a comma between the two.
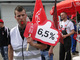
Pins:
x: 77, y: 3
x: 37, y: 16
x: 47, y: 34
x: 31, y: 29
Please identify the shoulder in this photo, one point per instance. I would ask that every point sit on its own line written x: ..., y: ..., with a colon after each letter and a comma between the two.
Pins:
x: 6, y: 28
x: 13, y: 29
x: 70, y: 22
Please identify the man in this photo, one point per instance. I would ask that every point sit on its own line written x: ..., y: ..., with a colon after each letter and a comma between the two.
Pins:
x: 17, y: 49
x: 73, y: 41
x: 4, y: 36
x: 67, y: 28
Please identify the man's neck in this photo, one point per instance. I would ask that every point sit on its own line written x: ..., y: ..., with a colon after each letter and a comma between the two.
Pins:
x: 22, y: 26
x: 65, y: 20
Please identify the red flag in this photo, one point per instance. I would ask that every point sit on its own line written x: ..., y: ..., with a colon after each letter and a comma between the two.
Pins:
x: 55, y: 17
x: 39, y: 31
x: 56, y: 21
x: 39, y: 15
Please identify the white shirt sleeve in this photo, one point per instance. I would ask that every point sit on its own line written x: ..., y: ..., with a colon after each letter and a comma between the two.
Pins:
x: 71, y: 26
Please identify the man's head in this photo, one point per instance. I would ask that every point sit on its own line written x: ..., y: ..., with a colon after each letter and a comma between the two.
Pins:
x: 63, y: 15
x: 1, y: 23
x: 20, y: 15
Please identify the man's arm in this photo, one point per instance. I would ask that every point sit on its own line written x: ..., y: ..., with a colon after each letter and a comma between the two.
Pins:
x: 72, y: 32
x: 40, y: 46
x: 36, y: 45
x: 50, y: 50
x: 10, y: 52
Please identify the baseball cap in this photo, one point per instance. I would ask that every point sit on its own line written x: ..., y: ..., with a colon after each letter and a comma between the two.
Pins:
x: 1, y: 21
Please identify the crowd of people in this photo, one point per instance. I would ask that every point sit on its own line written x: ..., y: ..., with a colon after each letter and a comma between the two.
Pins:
x: 13, y: 44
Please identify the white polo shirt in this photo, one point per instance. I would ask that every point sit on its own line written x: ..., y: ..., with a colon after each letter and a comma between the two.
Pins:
x: 68, y: 25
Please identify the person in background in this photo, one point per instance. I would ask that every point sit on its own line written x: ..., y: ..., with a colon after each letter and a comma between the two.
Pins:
x: 67, y: 28
x: 18, y: 43
x: 73, y: 19
x: 47, y: 54
x: 69, y: 17
x: 73, y: 41
x: 4, y: 37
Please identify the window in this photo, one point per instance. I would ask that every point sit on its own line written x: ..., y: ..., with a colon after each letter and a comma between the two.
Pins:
x: 29, y: 10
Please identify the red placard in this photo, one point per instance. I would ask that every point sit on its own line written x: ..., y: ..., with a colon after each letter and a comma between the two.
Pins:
x: 44, y: 33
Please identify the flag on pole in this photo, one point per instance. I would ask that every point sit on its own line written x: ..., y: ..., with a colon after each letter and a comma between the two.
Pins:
x: 55, y: 17
x: 42, y: 30
x: 56, y: 20
x: 39, y: 15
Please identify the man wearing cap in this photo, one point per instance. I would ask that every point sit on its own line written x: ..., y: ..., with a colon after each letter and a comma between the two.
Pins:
x: 4, y: 37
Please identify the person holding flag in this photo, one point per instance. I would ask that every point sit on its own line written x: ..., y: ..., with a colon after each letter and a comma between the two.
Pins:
x: 67, y: 28
x: 17, y: 48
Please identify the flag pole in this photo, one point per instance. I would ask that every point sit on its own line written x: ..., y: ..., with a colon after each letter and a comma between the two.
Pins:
x: 55, y: 19
x: 28, y: 44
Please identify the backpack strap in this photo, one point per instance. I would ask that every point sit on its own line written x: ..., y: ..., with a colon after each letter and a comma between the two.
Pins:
x: 7, y: 29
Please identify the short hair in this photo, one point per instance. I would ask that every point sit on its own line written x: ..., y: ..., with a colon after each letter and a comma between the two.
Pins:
x: 19, y: 9
x: 64, y: 12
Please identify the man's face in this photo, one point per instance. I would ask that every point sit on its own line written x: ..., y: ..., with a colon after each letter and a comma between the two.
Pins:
x: 1, y: 25
x: 21, y: 17
x: 63, y: 16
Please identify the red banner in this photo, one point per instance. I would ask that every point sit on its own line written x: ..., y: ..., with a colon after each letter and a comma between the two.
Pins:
x: 39, y: 15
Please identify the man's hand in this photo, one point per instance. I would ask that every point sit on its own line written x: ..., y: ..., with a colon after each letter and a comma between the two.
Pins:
x: 36, y: 45
x: 50, y: 51
x: 72, y: 32
x: 64, y: 36
x: 30, y: 41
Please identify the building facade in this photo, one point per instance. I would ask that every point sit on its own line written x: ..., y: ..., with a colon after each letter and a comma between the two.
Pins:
x: 8, y: 6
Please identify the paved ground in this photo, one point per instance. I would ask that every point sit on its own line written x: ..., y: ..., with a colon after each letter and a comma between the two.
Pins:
x: 56, y: 52
x: 1, y: 57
